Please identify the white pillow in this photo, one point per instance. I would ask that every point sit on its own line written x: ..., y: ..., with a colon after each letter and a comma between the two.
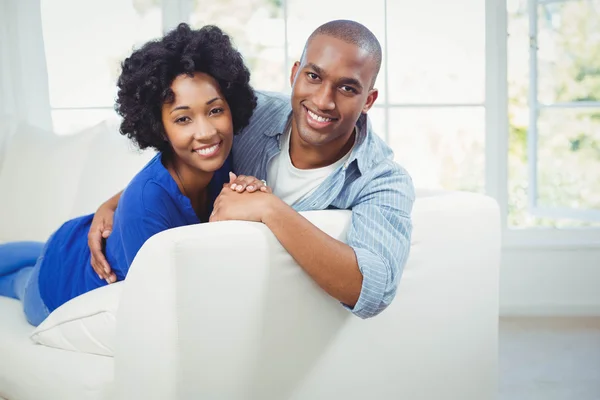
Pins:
x: 39, y: 180
x: 85, y: 324
x: 108, y: 169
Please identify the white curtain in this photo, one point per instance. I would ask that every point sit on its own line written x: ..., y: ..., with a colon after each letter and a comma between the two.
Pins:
x: 24, y: 94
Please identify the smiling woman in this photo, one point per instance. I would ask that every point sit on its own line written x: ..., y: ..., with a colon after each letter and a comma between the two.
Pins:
x: 174, y: 96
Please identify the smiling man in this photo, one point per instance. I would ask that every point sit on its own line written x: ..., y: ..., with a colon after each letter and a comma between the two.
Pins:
x: 319, y: 152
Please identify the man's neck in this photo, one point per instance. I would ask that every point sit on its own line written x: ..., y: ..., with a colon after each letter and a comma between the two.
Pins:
x: 306, y: 156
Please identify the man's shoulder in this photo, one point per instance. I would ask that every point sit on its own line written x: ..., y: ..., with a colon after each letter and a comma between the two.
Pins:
x: 271, y: 113
x: 271, y: 99
x: 378, y: 165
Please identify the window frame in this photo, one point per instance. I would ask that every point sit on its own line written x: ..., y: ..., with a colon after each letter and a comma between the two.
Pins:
x: 497, y: 137
x: 535, y: 106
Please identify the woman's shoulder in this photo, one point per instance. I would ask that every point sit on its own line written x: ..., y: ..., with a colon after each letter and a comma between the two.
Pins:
x: 151, y: 185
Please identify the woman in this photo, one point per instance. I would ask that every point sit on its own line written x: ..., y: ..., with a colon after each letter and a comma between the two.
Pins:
x: 184, y: 95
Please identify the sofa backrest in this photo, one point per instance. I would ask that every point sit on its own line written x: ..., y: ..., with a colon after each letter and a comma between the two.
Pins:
x: 45, y: 179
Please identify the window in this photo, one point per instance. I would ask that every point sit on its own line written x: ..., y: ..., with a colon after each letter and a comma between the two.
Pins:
x: 257, y: 28
x: 435, y: 102
x: 85, y: 41
x: 445, y: 104
x: 554, y: 113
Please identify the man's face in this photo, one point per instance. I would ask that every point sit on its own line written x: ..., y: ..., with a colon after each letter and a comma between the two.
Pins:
x: 331, y: 87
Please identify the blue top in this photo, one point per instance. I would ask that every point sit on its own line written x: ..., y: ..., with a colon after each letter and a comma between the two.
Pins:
x: 379, y: 192
x: 151, y: 203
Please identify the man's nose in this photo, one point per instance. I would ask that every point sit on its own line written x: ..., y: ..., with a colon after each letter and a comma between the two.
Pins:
x: 323, y: 99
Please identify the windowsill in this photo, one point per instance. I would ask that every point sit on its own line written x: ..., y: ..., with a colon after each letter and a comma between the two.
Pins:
x: 551, y: 239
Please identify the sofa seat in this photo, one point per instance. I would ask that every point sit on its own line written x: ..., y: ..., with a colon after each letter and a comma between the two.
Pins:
x: 30, y: 371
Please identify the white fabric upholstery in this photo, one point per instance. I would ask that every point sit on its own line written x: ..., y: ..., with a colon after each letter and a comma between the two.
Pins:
x: 86, y: 324
x: 221, y: 311
x: 256, y: 324
x: 37, y: 175
x: 34, y: 372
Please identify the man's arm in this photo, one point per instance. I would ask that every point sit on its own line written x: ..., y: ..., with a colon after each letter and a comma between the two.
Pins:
x: 329, y: 262
x: 100, y: 229
x: 362, y: 274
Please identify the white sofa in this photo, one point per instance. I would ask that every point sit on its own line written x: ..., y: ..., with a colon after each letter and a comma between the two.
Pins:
x: 220, y: 311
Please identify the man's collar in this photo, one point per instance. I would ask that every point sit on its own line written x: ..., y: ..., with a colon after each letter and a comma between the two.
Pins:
x: 359, y: 151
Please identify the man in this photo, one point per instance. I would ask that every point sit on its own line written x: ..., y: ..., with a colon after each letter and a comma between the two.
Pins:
x: 319, y: 153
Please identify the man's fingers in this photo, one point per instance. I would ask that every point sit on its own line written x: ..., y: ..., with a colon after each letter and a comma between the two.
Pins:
x: 112, y: 278
x: 105, y: 265
x: 95, y: 244
x: 97, y: 268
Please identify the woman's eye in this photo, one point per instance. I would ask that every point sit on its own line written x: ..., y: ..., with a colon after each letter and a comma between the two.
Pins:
x: 216, y: 111
x: 181, y: 120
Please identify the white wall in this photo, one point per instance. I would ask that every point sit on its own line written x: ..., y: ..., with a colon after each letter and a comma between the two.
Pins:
x: 550, y: 282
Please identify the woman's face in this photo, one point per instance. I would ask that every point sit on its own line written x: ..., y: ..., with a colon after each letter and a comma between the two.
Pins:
x: 198, y: 122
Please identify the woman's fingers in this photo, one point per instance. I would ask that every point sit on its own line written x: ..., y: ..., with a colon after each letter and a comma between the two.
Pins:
x: 249, y: 184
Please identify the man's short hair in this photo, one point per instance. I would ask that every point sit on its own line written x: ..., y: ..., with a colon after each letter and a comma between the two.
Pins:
x: 352, y: 32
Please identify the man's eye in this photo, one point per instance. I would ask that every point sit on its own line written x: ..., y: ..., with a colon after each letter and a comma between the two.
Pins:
x: 348, y: 89
x: 312, y: 76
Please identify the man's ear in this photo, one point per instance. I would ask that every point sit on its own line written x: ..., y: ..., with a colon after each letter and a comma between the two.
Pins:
x: 373, y: 94
x: 295, y: 69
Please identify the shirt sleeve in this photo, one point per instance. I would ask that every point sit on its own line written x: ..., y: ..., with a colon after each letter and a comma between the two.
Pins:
x: 144, y: 220
x: 380, y: 233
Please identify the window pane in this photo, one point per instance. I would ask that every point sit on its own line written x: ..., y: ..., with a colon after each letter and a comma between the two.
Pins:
x: 569, y: 51
x: 436, y: 51
x: 554, y: 142
x: 68, y: 122
x: 258, y: 30
x: 377, y: 119
x: 569, y: 158
x: 304, y: 16
x: 441, y: 147
x: 85, y: 41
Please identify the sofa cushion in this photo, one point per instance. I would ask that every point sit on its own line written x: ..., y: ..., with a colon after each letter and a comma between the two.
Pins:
x: 113, y: 160
x: 86, y: 324
x: 32, y: 372
x: 38, y: 179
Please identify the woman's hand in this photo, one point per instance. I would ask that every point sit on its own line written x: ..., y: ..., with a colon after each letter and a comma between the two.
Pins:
x: 247, y: 183
x: 100, y: 229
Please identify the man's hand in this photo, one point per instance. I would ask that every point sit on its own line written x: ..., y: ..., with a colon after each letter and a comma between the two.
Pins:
x: 245, y: 206
x: 100, y: 230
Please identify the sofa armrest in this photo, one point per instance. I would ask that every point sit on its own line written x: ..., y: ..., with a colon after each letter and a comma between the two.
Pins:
x: 222, y: 311
x: 205, y: 304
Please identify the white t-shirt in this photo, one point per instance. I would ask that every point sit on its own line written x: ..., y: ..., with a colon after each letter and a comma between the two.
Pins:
x: 291, y: 184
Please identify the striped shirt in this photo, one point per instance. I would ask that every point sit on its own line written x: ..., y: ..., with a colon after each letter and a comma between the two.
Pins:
x: 379, y: 192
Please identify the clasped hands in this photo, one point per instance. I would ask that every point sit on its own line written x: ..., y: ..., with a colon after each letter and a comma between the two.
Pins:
x: 244, y: 198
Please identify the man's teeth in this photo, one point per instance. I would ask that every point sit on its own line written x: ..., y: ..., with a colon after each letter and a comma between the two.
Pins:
x: 318, y: 118
x: 208, y: 150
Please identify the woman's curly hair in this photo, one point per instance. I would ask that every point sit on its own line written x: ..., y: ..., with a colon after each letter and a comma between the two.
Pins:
x: 145, y: 81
